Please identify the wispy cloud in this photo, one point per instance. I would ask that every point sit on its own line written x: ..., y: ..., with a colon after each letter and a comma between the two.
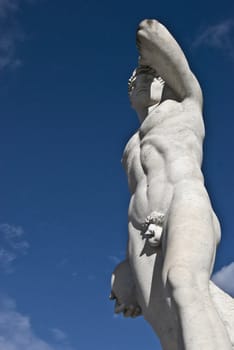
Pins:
x: 117, y: 258
x: 11, y: 33
x: 218, y: 36
x: 12, y: 245
x: 91, y: 277
x: 224, y: 279
x: 114, y: 259
x: 16, y: 332
x: 8, y: 6
x: 63, y: 262
x: 6, y: 259
x: 58, y: 334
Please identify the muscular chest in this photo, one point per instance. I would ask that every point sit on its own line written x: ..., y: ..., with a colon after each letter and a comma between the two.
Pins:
x: 170, y: 133
x: 163, y: 137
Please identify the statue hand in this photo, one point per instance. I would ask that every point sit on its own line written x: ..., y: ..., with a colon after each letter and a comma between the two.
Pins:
x: 123, y: 291
x: 146, y: 41
x: 128, y: 309
x: 154, y: 234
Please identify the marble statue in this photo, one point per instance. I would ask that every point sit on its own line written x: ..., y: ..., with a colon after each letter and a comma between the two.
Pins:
x: 173, y: 229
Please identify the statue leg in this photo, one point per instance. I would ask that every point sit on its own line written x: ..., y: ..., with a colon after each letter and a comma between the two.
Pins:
x: 189, y: 247
x: 224, y: 304
x: 146, y: 266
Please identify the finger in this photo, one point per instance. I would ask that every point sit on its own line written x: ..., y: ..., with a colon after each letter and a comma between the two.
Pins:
x: 137, y: 312
x: 128, y: 311
x: 149, y: 234
x: 119, y: 308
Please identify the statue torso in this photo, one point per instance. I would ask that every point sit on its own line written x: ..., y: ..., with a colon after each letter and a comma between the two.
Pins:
x: 165, y: 150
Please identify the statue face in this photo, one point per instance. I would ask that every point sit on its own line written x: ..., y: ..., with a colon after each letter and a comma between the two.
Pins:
x: 146, y: 91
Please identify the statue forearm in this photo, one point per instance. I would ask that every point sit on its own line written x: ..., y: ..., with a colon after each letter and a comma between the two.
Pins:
x: 159, y: 50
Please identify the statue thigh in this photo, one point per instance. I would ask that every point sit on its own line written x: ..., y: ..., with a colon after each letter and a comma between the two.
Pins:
x: 189, y: 242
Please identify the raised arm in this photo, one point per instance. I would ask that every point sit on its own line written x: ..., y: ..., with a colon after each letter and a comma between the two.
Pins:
x: 159, y: 50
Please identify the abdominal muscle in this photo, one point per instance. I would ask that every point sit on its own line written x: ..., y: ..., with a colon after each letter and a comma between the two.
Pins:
x: 150, y: 196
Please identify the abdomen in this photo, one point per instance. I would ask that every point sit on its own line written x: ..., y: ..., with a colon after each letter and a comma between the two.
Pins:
x: 150, y: 195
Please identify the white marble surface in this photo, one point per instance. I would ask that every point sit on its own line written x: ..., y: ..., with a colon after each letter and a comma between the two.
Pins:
x: 173, y: 230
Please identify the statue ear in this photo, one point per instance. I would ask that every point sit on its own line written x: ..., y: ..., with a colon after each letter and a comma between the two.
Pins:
x: 169, y: 94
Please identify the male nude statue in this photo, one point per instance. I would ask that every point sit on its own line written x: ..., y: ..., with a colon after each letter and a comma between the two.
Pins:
x: 173, y: 230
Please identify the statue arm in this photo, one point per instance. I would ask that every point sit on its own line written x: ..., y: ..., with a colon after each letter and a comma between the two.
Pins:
x: 159, y: 50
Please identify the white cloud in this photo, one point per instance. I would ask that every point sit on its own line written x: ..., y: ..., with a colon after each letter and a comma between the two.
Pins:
x: 224, y: 278
x: 16, y: 331
x: 12, y: 244
x: 219, y: 36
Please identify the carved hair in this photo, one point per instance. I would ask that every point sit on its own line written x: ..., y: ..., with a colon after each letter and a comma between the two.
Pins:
x: 142, y: 70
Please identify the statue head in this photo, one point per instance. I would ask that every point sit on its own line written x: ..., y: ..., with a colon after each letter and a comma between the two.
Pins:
x: 145, y: 88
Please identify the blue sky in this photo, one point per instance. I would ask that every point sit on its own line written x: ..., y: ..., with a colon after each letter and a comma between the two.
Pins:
x: 65, y: 118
